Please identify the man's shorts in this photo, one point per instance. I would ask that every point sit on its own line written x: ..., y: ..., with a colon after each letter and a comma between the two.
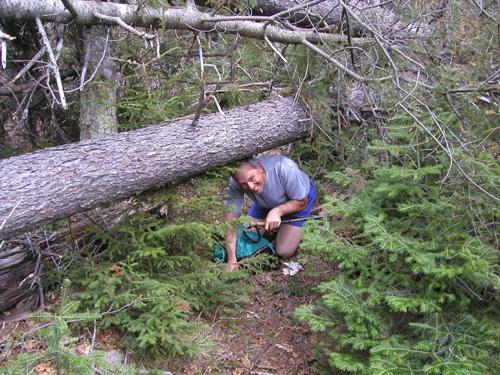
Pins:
x: 260, y: 213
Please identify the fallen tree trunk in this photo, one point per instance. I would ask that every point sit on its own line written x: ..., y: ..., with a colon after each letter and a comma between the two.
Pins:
x: 54, y: 183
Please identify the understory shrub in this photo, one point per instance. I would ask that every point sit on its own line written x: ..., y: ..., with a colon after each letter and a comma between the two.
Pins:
x: 152, y: 278
x: 57, y: 354
x: 419, y: 269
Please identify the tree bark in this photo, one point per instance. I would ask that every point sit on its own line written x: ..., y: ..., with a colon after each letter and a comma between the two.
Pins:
x: 186, y: 18
x: 16, y: 265
x: 98, y: 97
x: 51, y: 184
x: 328, y: 14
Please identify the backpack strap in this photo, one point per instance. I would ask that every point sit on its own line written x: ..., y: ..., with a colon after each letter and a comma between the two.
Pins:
x: 250, y: 238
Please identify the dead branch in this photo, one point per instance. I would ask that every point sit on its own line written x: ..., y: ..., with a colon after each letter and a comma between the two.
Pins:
x: 28, y: 66
x: 53, y: 61
x: 201, y: 100
x: 69, y: 6
x: 127, y: 27
x: 167, y: 18
x: 339, y: 65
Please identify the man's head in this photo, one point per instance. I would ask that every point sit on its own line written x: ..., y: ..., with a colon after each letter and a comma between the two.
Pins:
x: 251, y: 176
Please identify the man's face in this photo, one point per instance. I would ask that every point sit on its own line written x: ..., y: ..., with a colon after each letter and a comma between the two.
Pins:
x: 251, y: 179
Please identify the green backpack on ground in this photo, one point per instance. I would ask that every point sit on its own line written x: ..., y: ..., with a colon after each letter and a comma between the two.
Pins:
x: 248, y: 244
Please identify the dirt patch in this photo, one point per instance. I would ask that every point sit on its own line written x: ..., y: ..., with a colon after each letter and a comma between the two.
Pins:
x: 264, y: 338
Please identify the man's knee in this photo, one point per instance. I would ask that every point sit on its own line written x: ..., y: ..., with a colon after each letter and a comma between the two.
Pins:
x: 288, y: 240
x: 284, y: 251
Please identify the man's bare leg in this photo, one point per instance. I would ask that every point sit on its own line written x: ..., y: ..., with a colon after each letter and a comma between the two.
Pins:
x: 288, y: 240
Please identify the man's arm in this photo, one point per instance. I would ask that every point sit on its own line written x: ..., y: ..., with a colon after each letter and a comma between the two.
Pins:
x: 231, y: 236
x: 273, y: 218
x: 234, y: 204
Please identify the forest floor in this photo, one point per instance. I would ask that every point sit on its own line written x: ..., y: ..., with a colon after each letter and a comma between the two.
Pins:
x: 263, y: 338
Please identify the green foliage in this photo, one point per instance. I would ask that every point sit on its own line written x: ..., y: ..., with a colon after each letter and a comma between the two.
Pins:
x: 5, y: 151
x: 157, y: 277
x: 148, y: 99
x: 419, y: 273
x: 56, y: 332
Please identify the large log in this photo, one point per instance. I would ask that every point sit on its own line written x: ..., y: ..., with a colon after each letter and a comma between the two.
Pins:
x: 51, y: 184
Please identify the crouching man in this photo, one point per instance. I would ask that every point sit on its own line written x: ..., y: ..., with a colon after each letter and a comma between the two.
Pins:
x: 280, y: 191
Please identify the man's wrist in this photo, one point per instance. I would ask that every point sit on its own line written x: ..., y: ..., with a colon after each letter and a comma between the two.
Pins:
x: 277, y: 211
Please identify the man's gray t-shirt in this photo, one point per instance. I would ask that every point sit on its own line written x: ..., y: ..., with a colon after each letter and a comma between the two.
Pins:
x: 284, y: 181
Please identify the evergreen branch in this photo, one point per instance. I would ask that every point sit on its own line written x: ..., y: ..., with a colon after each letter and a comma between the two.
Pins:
x: 447, y: 152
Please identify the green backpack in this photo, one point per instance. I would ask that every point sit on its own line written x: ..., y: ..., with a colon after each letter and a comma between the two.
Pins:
x: 249, y: 243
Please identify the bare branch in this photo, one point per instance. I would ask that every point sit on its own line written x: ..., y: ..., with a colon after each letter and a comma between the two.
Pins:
x: 28, y: 66
x: 54, y: 66
x: 3, y: 45
x: 167, y: 18
x: 121, y: 23
x: 201, y: 100
x: 6, y: 36
x: 69, y: 6
x: 10, y: 213
x: 276, y: 50
x: 83, y: 82
x: 393, y: 65
x: 339, y: 65
x: 447, y: 152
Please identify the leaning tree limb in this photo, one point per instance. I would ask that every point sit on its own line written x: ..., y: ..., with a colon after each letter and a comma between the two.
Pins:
x: 185, y: 18
x: 327, y: 15
x: 53, y: 62
x: 57, y: 182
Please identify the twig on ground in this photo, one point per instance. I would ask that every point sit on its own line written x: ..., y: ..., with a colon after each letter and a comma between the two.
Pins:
x: 36, y: 275
x: 130, y: 304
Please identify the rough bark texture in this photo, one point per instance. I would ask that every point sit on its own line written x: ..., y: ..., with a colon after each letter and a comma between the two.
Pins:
x: 51, y: 184
x: 15, y: 266
x: 329, y: 13
x: 98, y: 98
x: 187, y: 18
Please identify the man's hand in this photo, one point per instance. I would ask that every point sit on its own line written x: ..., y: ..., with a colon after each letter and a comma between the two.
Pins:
x: 257, y: 223
x: 230, y: 267
x: 273, y: 219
